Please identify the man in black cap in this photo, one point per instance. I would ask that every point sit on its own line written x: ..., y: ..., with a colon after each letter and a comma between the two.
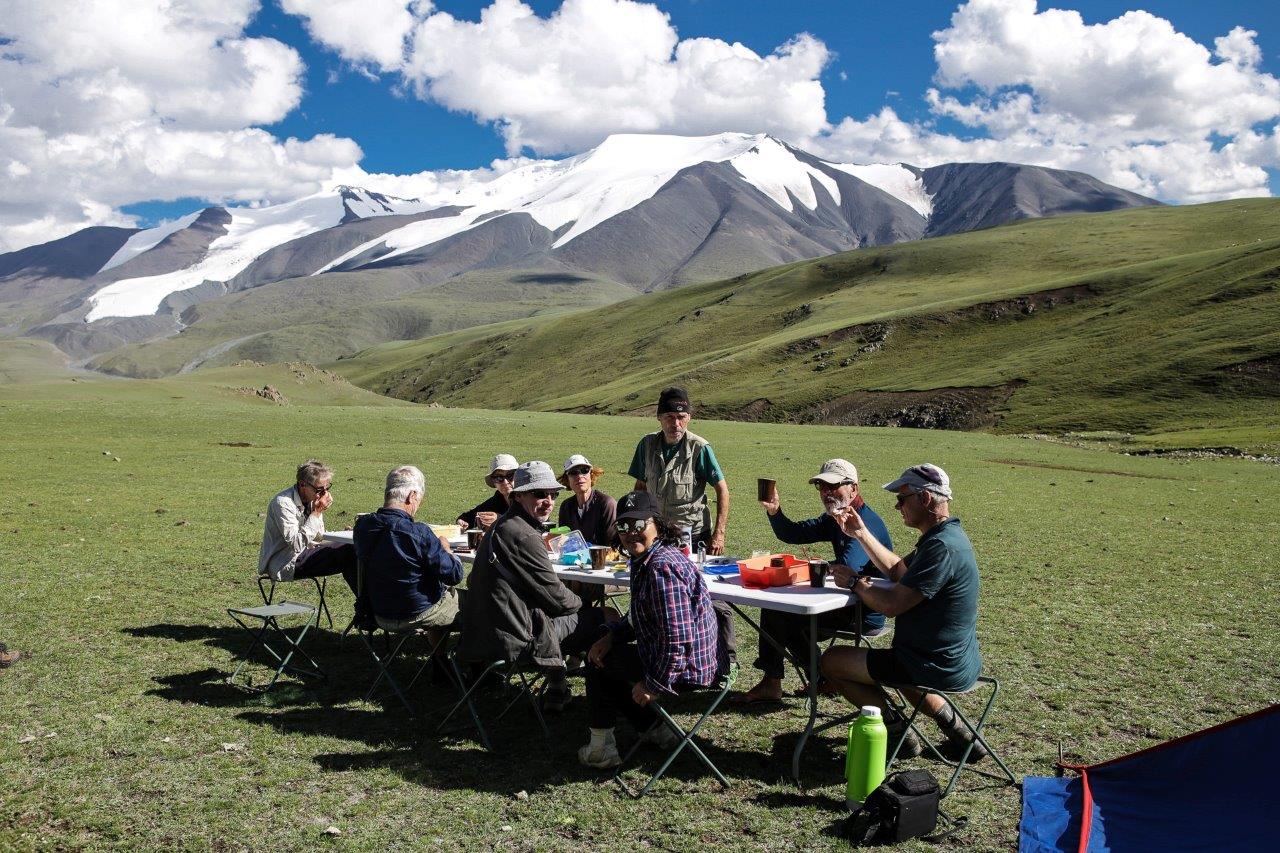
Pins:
x: 675, y: 466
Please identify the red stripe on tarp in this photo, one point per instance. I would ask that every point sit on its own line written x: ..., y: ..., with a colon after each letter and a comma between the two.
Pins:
x: 1086, y: 812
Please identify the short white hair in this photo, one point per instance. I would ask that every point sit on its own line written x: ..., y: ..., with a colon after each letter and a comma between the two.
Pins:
x: 403, y: 481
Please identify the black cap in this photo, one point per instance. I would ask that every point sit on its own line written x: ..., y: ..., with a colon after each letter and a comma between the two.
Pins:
x: 637, y: 505
x: 673, y: 400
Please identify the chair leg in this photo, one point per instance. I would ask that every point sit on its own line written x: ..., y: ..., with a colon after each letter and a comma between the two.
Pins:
x: 322, y: 585
x: 267, y: 595
x: 384, y: 670
x: 686, y: 739
x: 467, y: 693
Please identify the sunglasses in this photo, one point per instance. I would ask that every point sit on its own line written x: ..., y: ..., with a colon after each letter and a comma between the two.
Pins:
x: 579, y: 472
x: 633, y: 525
x: 542, y: 494
x: 902, y: 498
x: 319, y: 490
x: 823, y: 486
x: 498, y: 476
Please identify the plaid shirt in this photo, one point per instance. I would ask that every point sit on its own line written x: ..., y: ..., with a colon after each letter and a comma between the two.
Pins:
x: 671, y: 620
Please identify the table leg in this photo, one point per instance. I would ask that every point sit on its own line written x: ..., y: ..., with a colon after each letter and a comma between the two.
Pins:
x: 813, y: 699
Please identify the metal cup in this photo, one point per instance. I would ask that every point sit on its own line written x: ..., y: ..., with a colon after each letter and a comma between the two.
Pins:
x: 473, y: 539
x: 765, y: 488
x: 599, y: 553
x: 818, y: 573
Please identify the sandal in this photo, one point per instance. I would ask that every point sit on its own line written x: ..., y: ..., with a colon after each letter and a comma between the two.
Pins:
x: 755, y: 696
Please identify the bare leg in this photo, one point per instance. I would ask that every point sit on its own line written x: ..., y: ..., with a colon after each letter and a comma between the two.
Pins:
x: 846, y: 668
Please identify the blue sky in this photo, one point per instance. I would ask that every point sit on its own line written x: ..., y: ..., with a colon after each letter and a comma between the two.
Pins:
x: 865, y: 73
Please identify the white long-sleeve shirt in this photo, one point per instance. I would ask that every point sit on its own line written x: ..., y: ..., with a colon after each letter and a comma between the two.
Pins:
x: 288, y: 530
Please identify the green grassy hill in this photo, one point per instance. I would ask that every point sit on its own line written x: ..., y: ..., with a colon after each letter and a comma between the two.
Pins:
x: 1163, y: 322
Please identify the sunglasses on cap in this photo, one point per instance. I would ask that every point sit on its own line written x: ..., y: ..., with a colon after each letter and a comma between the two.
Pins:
x: 633, y: 525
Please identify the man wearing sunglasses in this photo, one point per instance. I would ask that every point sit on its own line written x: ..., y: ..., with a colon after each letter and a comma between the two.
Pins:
x: 934, y: 599
x: 837, y: 486
x: 514, y: 596
x: 292, y: 546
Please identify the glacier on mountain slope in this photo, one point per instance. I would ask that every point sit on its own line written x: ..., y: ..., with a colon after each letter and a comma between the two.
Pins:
x: 147, y: 239
x: 580, y: 192
x: 251, y: 232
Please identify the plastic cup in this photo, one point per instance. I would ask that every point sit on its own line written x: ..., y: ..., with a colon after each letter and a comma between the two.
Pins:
x: 818, y: 573
x: 765, y: 488
x: 598, y: 555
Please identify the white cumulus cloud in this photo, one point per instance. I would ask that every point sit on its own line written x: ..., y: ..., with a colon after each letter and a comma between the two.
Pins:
x: 112, y: 102
x: 591, y: 68
x: 1132, y: 100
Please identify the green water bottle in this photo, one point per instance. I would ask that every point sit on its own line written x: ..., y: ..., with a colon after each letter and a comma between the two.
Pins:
x: 864, y: 758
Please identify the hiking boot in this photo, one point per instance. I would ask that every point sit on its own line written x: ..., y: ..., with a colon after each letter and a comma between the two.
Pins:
x: 601, y: 757
x: 661, y: 736
x: 952, y: 748
x: 911, y: 746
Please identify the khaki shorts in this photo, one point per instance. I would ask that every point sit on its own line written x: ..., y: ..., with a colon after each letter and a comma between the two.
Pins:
x: 439, y: 615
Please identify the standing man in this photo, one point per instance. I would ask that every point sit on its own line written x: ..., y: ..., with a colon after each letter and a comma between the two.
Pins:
x: 292, y: 546
x: 675, y: 466
x: 837, y: 485
x: 934, y: 597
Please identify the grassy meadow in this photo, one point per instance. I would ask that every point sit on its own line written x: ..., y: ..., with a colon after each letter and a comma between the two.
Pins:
x: 1125, y: 601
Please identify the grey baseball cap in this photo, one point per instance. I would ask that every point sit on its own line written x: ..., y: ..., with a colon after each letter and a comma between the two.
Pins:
x: 835, y: 472
x: 923, y: 478
x: 534, y: 476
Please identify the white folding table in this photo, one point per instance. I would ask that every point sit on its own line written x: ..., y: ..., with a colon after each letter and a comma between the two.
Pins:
x: 798, y: 599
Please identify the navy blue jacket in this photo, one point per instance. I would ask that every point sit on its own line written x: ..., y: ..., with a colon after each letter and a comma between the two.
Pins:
x: 825, y: 529
x: 405, y: 567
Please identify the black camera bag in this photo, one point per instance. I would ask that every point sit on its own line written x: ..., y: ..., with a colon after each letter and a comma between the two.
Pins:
x: 904, y: 806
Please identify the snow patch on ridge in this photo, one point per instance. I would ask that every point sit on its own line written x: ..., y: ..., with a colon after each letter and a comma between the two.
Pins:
x: 250, y: 233
x: 147, y: 239
x: 771, y: 168
x: 898, y: 181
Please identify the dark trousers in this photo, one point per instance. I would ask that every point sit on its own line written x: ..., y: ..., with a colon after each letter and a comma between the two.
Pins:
x: 609, y: 690
x: 330, y: 558
x: 792, y: 631
x: 577, y: 632
x: 724, y: 613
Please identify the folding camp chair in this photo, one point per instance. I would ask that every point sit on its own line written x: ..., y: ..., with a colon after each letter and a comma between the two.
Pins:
x: 898, y: 701
x: 532, y: 683
x: 268, y: 615
x: 267, y: 588
x: 719, y: 690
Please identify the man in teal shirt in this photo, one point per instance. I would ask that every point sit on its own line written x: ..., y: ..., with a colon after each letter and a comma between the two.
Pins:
x: 675, y: 466
x: 933, y: 596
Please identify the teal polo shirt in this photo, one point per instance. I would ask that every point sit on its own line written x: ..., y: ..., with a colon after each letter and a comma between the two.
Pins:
x: 937, y: 640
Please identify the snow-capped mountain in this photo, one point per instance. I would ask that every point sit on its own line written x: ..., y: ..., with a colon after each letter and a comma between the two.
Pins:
x: 643, y: 211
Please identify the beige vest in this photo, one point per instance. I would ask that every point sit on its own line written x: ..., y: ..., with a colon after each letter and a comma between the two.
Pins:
x: 680, y: 494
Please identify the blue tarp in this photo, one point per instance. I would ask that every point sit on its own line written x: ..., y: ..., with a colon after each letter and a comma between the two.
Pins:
x: 1217, y: 789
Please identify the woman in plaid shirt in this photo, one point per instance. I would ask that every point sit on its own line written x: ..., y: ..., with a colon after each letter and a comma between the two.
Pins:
x: 668, y: 641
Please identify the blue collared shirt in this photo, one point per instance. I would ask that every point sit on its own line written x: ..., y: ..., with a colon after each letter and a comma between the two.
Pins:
x: 405, y: 566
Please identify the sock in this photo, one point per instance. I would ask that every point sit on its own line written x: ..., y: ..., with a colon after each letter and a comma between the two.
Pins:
x: 601, y: 737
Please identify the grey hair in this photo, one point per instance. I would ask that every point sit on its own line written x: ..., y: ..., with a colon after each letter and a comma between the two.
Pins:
x: 312, y: 470
x: 402, y: 481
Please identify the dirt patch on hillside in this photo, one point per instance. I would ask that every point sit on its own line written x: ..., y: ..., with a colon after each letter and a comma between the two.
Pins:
x: 1263, y: 374
x: 938, y: 408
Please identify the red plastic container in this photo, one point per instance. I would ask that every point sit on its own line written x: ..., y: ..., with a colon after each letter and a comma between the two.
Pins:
x: 757, y: 572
